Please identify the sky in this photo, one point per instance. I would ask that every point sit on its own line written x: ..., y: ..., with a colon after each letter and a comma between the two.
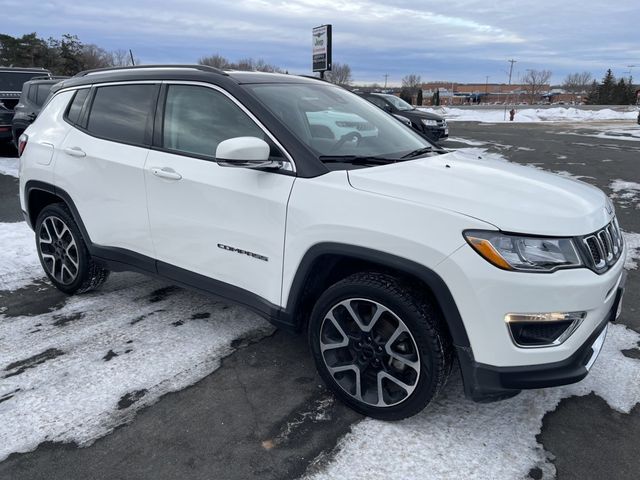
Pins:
x: 455, y: 40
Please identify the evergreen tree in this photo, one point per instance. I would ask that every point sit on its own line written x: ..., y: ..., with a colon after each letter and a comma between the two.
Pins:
x: 606, y: 91
x: 419, y: 99
x: 405, y: 94
x: 592, y: 96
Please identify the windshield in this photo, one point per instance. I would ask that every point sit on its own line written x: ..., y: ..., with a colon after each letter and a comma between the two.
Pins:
x: 334, y: 122
x: 13, y: 81
x: 398, y: 102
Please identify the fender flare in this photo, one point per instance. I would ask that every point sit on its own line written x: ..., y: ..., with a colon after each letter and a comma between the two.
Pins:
x: 438, y: 287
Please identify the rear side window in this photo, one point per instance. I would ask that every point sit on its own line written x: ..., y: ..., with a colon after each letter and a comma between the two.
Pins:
x: 123, y: 113
x: 73, y: 115
x: 32, y: 93
x: 42, y: 93
x: 197, y: 119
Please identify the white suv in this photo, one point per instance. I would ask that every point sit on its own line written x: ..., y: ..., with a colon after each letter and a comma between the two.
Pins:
x: 396, y: 256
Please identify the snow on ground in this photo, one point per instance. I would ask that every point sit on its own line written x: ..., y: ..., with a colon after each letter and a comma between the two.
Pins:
x: 19, y: 264
x: 466, y: 141
x: 633, y: 250
x: 9, y: 166
x: 611, y: 132
x: 626, y: 193
x: 560, y: 114
x: 457, y: 438
x: 76, y: 373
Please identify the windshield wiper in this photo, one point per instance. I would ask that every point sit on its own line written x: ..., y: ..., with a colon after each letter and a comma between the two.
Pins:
x: 357, y: 159
x: 419, y: 151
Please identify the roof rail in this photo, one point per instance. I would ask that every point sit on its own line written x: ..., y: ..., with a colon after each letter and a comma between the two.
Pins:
x: 52, y: 77
x: 204, y: 68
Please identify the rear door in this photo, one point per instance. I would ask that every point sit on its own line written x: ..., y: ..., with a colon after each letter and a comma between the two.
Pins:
x: 101, y: 163
x: 223, y: 223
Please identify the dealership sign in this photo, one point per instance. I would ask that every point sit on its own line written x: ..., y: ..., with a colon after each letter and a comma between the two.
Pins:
x: 321, y: 48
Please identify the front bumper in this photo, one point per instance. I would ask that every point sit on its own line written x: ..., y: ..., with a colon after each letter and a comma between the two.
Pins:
x: 486, y: 383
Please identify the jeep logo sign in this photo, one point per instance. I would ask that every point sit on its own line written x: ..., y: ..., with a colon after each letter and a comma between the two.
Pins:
x: 321, y: 42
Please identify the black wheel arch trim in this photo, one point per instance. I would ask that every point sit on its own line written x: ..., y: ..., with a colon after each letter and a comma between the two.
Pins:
x: 438, y: 287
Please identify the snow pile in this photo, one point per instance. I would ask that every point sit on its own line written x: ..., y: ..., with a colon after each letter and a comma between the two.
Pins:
x: 76, y: 373
x: 456, y: 438
x: 19, y: 264
x: 9, y: 166
x: 632, y: 241
x: 560, y: 114
x: 626, y: 193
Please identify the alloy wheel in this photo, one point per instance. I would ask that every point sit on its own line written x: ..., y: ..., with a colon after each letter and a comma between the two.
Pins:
x: 58, y: 250
x: 370, y: 352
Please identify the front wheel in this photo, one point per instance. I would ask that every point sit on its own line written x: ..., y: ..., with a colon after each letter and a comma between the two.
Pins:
x: 63, y: 253
x: 379, y: 345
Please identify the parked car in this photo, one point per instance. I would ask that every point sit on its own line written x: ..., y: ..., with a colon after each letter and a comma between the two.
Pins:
x: 33, y: 96
x: 433, y: 126
x: 11, y: 82
x: 396, y: 258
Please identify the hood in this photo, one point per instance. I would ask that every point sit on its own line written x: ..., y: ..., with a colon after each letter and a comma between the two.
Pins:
x: 511, y: 197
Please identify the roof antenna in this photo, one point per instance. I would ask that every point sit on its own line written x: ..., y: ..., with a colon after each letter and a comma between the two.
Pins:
x: 132, y: 60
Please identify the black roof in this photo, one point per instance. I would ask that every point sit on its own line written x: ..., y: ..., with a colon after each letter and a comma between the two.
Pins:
x: 200, y: 73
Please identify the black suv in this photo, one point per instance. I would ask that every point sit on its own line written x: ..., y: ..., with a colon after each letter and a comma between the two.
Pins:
x: 11, y: 82
x: 433, y: 126
x: 34, y: 94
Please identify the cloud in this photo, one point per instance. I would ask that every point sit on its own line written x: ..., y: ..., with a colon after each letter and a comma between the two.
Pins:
x: 462, y: 40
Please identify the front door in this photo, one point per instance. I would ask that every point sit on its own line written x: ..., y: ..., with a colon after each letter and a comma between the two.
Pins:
x: 225, y: 223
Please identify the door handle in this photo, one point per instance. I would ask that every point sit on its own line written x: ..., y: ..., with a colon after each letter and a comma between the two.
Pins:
x: 75, y: 152
x: 166, y: 172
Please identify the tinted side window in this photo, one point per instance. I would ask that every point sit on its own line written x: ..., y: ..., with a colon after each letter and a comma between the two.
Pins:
x: 73, y: 115
x: 197, y: 119
x: 43, y: 91
x: 32, y: 93
x: 377, y: 101
x: 122, y: 113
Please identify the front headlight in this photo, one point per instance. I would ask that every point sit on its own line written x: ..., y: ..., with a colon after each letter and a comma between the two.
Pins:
x: 428, y: 122
x: 522, y: 253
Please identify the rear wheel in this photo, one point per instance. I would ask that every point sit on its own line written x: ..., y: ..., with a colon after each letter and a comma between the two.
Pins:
x: 379, y: 345
x: 63, y: 253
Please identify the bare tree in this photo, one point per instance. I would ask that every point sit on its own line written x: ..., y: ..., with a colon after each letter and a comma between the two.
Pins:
x: 93, y: 56
x: 413, y: 82
x: 339, y: 74
x: 122, y: 58
x: 576, y: 83
x: 217, y: 61
x: 535, y: 81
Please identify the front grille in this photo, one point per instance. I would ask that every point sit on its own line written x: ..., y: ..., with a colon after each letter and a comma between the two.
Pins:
x: 604, y: 247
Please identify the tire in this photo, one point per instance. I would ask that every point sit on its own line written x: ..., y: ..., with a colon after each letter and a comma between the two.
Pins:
x: 63, y: 253
x: 400, y: 334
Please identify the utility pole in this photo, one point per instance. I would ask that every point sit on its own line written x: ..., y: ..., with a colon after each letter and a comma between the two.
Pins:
x: 510, y: 72
x: 133, y: 63
x: 386, y: 75
x: 631, y: 67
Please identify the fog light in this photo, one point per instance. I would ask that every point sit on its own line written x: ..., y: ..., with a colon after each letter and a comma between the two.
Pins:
x: 542, y: 329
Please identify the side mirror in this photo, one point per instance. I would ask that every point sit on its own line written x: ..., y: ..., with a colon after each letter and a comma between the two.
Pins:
x: 245, y: 152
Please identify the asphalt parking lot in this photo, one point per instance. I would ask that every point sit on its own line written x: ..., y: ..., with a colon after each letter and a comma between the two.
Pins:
x: 261, y: 411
